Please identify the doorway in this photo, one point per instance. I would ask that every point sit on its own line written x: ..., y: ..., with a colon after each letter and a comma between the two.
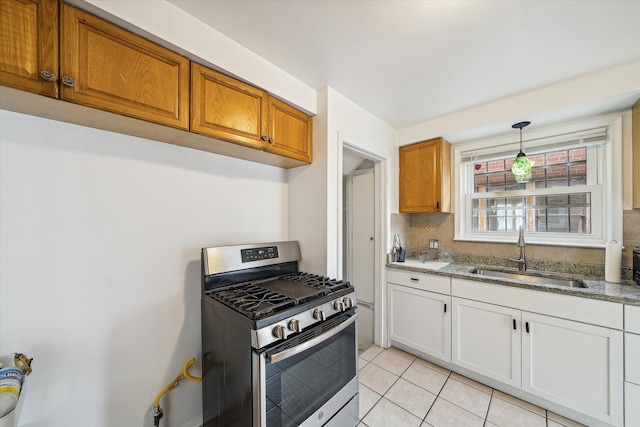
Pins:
x: 359, y: 236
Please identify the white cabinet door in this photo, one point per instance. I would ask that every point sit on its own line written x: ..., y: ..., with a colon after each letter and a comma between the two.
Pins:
x: 420, y: 320
x: 631, y: 406
x: 632, y: 358
x: 574, y: 364
x: 486, y: 339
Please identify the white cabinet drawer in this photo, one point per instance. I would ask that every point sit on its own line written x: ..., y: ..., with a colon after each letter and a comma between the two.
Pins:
x: 632, y: 319
x: 632, y: 357
x: 426, y: 282
x: 587, y: 310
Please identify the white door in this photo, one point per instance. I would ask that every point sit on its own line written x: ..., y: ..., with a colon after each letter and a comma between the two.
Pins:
x: 420, y: 320
x: 486, y: 339
x: 574, y: 364
x: 361, y: 256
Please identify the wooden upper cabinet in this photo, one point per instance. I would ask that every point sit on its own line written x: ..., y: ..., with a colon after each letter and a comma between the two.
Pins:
x: 290, y: 131
x: 106, y: 67
x: 227, y: 109
x: 50, y: 48
x: 425, y: 177
x: 29, y: 45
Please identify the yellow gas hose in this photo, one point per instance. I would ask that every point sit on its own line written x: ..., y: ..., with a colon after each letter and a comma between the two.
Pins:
x: 171, y: 386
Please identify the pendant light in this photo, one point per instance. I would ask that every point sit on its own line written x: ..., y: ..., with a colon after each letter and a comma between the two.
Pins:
x: 521, y: 166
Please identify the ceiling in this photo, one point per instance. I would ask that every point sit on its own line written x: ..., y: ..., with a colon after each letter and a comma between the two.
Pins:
x: 408, y: 62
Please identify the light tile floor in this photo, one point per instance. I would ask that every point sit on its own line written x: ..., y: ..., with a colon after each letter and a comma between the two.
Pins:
x: 400, y: 390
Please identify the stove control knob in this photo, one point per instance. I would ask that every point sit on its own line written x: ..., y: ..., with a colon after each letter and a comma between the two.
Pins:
x: 280, y: 332
x: 318, y: 314
x: 294, y: 325
x: 338, y: 305
x: 348, y: 302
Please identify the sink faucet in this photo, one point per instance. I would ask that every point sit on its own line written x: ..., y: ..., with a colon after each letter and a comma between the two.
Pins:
x: 522, y: 261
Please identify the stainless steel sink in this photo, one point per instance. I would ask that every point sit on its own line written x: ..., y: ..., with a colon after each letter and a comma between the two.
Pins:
x: 531, y: 278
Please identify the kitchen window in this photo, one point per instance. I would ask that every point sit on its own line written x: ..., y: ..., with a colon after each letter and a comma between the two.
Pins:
x: 571, y: 199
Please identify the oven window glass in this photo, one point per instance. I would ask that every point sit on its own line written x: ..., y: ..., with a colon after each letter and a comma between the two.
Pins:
x: 299, y: 385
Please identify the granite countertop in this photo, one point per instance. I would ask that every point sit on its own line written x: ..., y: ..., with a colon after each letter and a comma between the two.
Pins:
x: 626, y: 292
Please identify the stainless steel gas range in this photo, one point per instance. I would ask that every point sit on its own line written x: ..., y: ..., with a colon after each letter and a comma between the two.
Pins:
x: 279, y: 346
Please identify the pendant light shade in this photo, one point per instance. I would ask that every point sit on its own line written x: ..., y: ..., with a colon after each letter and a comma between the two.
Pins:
x: 521, y: 166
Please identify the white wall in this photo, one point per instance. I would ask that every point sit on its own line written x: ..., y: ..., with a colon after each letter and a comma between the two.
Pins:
x: 348, y: 123
x: 164, y: 23
x: 308, y: 198
x: 569, y: 100
x: 315, y: 191
x: 100, y: 264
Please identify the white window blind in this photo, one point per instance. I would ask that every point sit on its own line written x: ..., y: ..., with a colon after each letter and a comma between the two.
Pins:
x: 584, y: 138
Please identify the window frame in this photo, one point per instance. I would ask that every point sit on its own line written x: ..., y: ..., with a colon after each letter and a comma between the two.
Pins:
x: 606, y: 193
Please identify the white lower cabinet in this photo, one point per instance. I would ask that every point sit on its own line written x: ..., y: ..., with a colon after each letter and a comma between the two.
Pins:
x: 574, y: 364
x: 566, y: 350
x: 486, y: 339
x: 421, y: 320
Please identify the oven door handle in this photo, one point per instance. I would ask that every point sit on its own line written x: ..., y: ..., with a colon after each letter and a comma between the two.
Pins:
x: 277, y: 357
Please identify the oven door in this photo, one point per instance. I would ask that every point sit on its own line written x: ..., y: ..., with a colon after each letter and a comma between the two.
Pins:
x: 310, y: 379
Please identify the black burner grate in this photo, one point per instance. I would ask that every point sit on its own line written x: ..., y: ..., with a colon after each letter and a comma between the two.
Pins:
x: 317, y: 281
x: 263, y: 299
x: 253, y: 300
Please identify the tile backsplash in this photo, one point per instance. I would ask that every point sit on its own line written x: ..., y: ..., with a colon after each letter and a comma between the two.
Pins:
x: 416, y: 230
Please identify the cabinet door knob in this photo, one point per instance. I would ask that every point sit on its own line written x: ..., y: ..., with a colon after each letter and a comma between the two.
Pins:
x: 265, y: 137
x: 437, y: 205
x: 69, y: 81
x: 271, y: 141
x: 47, y: 76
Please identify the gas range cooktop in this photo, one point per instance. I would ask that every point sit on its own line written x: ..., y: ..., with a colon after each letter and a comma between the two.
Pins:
x: 259, y: 286
x: 258, y: 300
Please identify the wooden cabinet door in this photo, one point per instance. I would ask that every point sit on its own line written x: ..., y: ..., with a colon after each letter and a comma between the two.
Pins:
x: 29, y: 45
x: 420, y: 320
x: 486, y: 339
x: 290, y: 131
x: 118, y: 71
x: 227, y: 109
x: 573, y: 364
x: 424, y: 177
